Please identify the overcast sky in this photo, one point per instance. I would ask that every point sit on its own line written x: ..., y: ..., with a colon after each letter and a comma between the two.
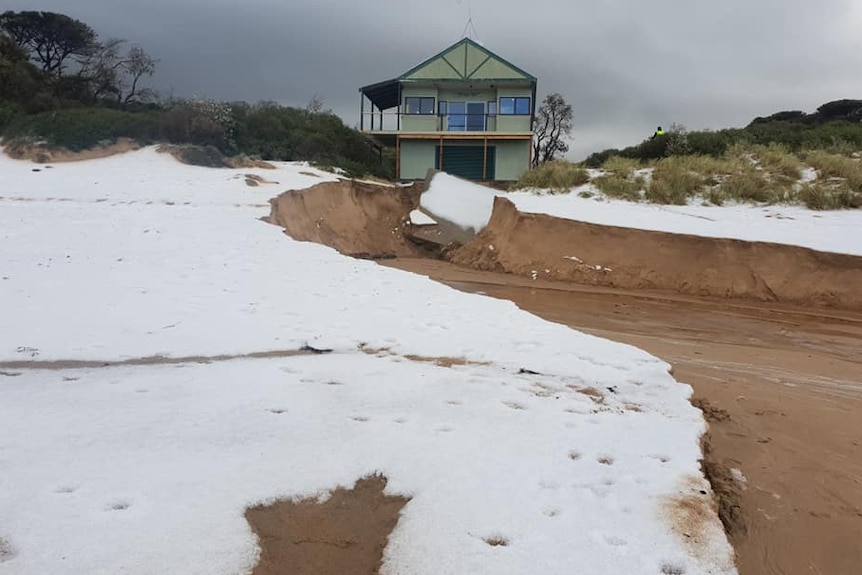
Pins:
x: 626, y: 66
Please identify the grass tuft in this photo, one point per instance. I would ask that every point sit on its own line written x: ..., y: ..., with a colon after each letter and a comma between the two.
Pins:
x: 621, y: 187
x: 557, y: 177
x: 620, y: 166
x: 828, y: 165
x: 836, y: 195
x: 674, y: 181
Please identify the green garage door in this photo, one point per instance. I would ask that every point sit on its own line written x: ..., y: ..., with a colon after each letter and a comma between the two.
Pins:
x: 466, y: 161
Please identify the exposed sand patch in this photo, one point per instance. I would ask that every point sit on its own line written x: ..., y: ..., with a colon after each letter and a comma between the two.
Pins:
x: 344, y: 535
x: 253, y: 180
x: 438, y: 361
x: 44, y: 154
x: 239, y: 162
x: 209, y: 156
x: 356, y: 218
x: 541, y: 246
x: 691, y: 514
x: 372, y: 221
x: 62, y: 364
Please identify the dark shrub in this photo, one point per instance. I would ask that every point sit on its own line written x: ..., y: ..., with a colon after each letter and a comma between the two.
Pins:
x: 81, y: 128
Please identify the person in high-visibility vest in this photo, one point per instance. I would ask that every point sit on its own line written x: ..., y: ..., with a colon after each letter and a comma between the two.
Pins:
x: 658, y: 132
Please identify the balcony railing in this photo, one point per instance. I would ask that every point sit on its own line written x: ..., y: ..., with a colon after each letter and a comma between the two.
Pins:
x: 395, y: 121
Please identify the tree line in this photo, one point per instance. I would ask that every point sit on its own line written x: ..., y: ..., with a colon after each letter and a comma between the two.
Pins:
x: 48, y: 60
x: 61, y: 83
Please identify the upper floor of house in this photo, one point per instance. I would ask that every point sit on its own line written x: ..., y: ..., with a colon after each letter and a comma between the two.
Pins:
x: 463, y: 89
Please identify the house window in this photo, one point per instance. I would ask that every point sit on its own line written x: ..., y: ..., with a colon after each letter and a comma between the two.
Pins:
x: 417, y: 105
x: 515, y: 106
x: 466, y: 116
x: 457, y: 120
x: 442, y: 108
x: 492, y: 108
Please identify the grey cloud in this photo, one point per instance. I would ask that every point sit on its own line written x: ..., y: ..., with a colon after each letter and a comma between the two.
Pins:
x: 625, y: 65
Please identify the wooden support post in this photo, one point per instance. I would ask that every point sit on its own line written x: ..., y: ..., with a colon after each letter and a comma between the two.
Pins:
x: 485, y: 161
x: 440, y: 167
x: 397, y: 157
x: 361, y: 111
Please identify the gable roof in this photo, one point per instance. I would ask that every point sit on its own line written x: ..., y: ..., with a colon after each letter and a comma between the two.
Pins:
x: 466, y: 60
x: 463, y: 61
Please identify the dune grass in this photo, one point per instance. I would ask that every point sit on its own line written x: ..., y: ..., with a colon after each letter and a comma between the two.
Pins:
x: 675, y: 180
x: 830, y: 196
x: 829, y: 166
x: 557, y: 177
x: 618, y: 166
x: 745, y: 173
x: 621, y: 187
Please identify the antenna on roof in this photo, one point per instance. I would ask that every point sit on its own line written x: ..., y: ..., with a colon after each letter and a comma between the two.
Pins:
x: 470, y: 29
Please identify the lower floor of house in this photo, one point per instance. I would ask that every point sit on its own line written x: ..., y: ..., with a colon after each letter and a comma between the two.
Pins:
x: 478, y: 159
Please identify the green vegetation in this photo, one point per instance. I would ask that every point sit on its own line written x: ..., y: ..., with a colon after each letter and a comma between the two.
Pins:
x: 619, y: 166
x: 745, y: 173
x: 81, y: 128
x: 763, y: 163
x: 619, y: 186
x: 557, y: 176
x: 835, y: 166
x: 835, y: 127
x: 673, y: 182
x: 830, y: 196
x: 92, y: 93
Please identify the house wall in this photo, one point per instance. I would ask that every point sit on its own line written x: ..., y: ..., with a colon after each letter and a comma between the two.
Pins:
x: 514, y: 123
x: 417, y: 157
x: 416, y: 122
x: 432, y: 123
x: 513, y: 159
x: 476, y: 95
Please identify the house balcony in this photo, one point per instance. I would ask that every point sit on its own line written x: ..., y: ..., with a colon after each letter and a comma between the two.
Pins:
x: 387, y: 127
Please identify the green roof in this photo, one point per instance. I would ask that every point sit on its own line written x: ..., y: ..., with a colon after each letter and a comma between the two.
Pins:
x: 463, y: 61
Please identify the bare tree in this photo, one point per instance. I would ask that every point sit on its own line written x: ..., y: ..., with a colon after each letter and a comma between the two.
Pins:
x: 102, y: 70
x: 315, y: 105
x: 113, y: 73
x: 137, y: 65
x: 553, y: 124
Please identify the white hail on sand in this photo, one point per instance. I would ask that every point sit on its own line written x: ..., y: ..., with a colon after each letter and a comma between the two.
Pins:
x: 148, y: 468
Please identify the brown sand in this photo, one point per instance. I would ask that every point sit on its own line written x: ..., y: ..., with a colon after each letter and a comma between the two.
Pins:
x: 362, y: 219
x: 639, y: 259
x: 782, y: 387
x: 345, y: 535
x: 356, y: 218
x: 63, y: 364
x: 43, y: 154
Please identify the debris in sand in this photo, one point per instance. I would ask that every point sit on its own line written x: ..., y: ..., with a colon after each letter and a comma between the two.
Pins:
x: 253, y: 180
x: 314, y: 350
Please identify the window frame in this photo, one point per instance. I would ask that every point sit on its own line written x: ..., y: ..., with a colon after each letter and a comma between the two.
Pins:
x: 517, y: 103
x: 421, y: 110
x: 456, y: 121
